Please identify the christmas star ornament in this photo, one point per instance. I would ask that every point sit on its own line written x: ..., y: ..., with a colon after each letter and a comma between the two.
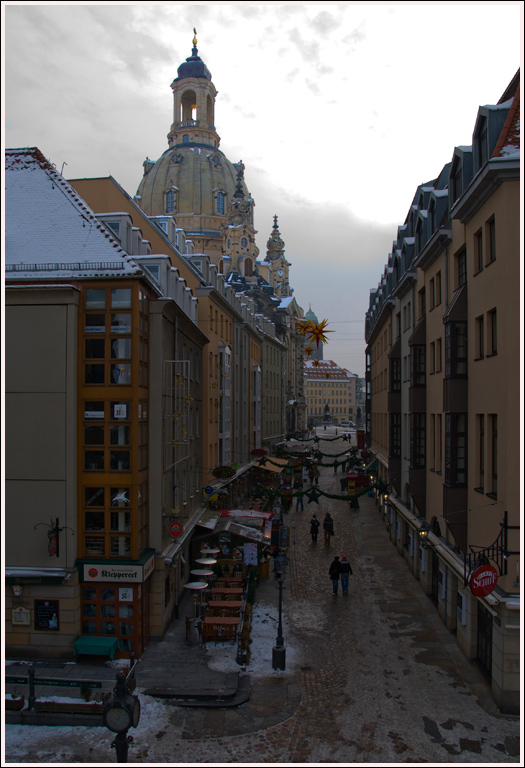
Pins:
x: 313, y: 494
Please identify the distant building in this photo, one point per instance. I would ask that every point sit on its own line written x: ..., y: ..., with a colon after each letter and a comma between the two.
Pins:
x: 330, y: 391
x: 443, y: 383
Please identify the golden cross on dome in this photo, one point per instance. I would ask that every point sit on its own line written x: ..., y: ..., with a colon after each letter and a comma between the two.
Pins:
x: 195, y: 36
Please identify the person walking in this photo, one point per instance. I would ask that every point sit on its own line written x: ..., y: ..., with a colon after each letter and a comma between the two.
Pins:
x: 314, y: 528
x: 311, y: 475
x: 328, y: 527
x: 298, y: 486
x: 334, y: 572
x: 316, y: 474
x: 345, y: 569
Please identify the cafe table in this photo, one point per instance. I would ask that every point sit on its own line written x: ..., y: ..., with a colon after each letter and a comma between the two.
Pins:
x: 227, y: 591
x: 220, y: 628
x: 205, y: 560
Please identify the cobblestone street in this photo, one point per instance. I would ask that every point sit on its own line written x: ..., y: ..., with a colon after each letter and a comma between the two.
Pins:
x: 379, y: 678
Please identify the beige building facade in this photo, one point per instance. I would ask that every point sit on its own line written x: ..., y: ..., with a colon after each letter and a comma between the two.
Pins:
x: 453, y: 451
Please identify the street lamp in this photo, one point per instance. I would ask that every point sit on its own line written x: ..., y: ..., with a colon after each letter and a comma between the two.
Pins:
x: 121, y: 712
x: 279, y: 651
x: 423, y: 534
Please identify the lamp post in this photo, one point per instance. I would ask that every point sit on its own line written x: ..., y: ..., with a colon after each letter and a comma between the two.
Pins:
x: 279, y: 651
x: 423, y: 534
x: 122, y: 712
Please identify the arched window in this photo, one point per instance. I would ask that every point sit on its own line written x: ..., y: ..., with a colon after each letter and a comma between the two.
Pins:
x: 221, y: 267
x: 248, y: 268
x: 186, y: 139
x: 171, y: 201
x: 219, y: 202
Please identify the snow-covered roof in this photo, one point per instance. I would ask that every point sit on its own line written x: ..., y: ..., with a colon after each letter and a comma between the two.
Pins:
x: 286, y: 302
x: 49, y: 229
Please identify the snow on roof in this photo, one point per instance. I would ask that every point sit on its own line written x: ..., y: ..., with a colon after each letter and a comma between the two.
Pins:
x: 440, y: 192
x: 286, y: 301
x: 49, y: 228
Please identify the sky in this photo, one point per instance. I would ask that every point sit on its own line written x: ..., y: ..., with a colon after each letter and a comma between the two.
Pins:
x: 337, y: 110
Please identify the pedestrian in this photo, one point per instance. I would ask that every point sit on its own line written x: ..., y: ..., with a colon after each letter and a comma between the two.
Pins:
x: 328, y: 527
x: 316, y: 474
x: 335, y: 467
x: 298, y: 486
x: 333, y: 572
x: 344, y: 485
x: 354, y: 503
x: 314, y: 528
x: 305, y: 473
x: 343, y: 465
x: 345, y: 569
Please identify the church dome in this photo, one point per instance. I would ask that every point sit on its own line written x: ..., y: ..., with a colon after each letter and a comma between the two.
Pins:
x: 311, y: 316
x: 194, y: 67
x: 193, y: 180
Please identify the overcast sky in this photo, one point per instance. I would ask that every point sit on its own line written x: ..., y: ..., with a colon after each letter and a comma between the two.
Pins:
x: 338, y: 111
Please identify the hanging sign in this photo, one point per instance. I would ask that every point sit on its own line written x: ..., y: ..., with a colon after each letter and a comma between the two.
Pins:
x: 224, y: 472
x: 175, y: 530
x: 483, y: 581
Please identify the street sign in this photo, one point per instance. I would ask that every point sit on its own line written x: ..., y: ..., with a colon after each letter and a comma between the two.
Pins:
x: 175, y: 530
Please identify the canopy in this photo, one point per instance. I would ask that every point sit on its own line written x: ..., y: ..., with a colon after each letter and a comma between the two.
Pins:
x: 274, y: 465
x: 246, y: 513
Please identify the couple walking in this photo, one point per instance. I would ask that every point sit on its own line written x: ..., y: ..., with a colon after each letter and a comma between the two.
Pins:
x: 340, y: 568
x: 328, y: 527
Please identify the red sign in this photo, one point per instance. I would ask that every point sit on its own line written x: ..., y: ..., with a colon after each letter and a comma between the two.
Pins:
x: 175, y: 530
x: 52, y: 546
x: 483, y: 580
x: 93, y: 572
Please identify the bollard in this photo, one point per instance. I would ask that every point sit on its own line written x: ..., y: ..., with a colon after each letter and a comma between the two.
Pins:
x: 32, y: 698
x: 279, y: 657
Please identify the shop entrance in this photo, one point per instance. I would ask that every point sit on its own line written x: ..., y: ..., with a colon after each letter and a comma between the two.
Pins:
x: 119, y: 611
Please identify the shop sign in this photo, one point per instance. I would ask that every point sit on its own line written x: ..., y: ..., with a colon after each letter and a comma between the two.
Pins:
x: 175, y: 530
x: 114, y: 573
x: 125, y: 594
x: 483, y: 581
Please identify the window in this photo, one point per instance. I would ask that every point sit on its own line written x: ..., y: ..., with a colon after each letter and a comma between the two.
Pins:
x: 438, y: 289
x: 219, y: 202
x: 395, y: 435
x: 456, y: 449
x: 457, y: 179
x: 478, y: 252
x: 395, y: 372
x: 480, y: 450
x: 417, y: 440
x: 461, y: 268
x: 438, y: 459
x: 115, y: 227
x: 171, y: 201
x: 480, y: 338
x: 491, y: 236
x: 438, y: 355
x: 493, y: 456
x: 432, y: 295
x: 422, y: 303
x: 493, y: 333
x: 455, y: 349
x: 432, y: 357
x: 417, y: 366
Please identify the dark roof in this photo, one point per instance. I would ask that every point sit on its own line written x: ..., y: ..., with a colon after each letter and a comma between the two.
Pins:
x: 193, y: 67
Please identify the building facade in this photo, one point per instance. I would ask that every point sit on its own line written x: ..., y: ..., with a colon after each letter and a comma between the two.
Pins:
x: 442, y: 389
x: 331, y: 393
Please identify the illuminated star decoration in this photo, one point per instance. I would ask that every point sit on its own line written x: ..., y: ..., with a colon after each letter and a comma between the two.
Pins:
x: 309, y: 350
x: 304, y: 326
x: 317, y: 332
x: 315, y: 363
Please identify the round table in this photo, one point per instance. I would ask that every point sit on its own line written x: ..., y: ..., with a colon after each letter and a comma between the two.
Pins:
x: 202, y: 572
x: 210, y: 551
x: 206, y: 560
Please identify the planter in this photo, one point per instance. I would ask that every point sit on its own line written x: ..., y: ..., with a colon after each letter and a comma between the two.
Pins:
x: 14, y: 704
x: 73, y: 708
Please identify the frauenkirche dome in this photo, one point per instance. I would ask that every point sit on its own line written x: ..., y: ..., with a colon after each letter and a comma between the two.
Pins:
x: 193, y: 180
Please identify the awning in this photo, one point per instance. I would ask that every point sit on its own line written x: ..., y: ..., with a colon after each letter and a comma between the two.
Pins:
x: 274, y: 465
x: 372, y: 467
x: 258, y: 513
x: 99, y: 646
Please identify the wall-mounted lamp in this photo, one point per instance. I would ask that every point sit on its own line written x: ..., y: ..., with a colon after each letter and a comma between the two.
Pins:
x: 17, y: 590
x: 423, y: 534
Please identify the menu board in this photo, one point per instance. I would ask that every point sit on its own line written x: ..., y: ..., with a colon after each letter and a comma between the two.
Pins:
x: 46, y: 614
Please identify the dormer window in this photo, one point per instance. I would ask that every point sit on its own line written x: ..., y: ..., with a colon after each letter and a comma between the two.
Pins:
x: 114, y: 227
x: 457, y: 179
x: 482, y: 143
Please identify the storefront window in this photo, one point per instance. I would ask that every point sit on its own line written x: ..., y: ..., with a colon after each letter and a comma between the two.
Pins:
x: 94, y: 546
x: 120, y: 298
x: 95, y: 298
x: 94, y: 521
x: 120, y: 461
x: 95, y: 324
x: 121, y: 322
x: 94, y: 460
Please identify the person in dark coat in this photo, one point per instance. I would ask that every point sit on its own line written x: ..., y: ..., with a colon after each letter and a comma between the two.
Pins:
x: 328, y: 527
x: 345, y: 569
x: 298, y: 486
x: 334, y: 573
x: 314, y: 528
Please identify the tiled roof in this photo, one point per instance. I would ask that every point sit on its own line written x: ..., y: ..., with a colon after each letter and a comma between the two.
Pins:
x: 50, y: 232
x: 508, y: 144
